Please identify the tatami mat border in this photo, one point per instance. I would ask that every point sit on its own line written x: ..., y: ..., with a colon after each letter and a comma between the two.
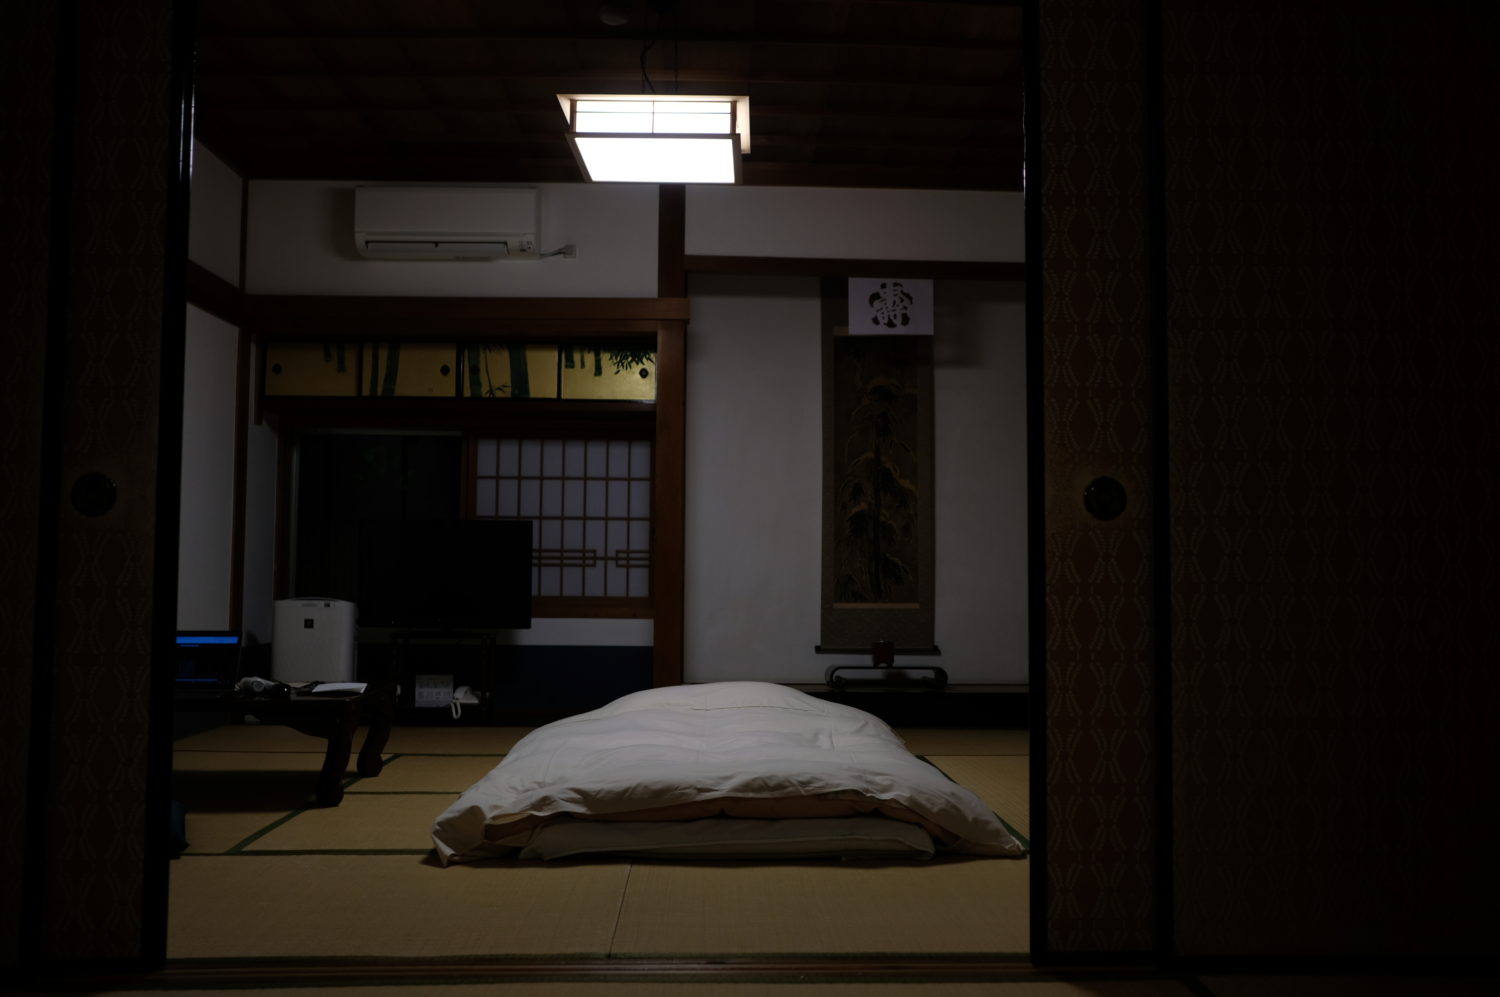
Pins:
x: 1025, y: 842
x: 279, y: 852
x: 403, y: 792
x: 238, y: 848
x: 447, y: 754
x: 239, y: 974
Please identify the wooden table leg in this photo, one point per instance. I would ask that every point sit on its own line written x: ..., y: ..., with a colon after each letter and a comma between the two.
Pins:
x: 380, y: 714
x: 336, y: 759
x: 338, y: 730
x: 335, y: 719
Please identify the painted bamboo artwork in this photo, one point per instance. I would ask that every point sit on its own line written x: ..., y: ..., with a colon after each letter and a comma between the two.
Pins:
x: 489, y: 370
x: 311, y: 369
x: 409, y: 370
x: 608, y: 374
x: 383, y: 382
x: 495, y: 370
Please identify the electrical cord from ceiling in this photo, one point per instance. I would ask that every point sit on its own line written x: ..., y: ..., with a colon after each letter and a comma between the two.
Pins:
x: 646, y: 86
x: 662, y: 9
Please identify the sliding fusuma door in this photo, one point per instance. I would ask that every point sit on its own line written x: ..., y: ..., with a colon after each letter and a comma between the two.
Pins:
x: 94, y: 258
x: 1272, y: 516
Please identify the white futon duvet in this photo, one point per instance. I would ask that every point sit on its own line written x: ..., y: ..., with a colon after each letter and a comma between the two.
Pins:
x: 725, y: 769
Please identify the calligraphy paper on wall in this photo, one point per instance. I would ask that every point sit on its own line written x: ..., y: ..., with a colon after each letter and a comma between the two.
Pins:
x: 885, y: 306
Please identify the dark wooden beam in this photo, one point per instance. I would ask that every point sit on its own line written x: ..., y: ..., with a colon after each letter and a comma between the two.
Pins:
x: 671, y: 238
x: 802, y: 267
x: 215, y: 295
x: 317, y: 317
x: 875, y: 39
x: 835, y: 106
x: 603, y: 78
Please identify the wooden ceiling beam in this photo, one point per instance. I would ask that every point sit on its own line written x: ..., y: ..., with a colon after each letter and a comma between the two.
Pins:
x: 618, y: 79
x: 935, y: 111
x: 293, y: 160
x: 419, y: 96
x: 355, y: 138
x: 944, y: 43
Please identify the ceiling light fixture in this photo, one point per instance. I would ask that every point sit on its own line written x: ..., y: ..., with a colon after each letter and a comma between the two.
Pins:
x: 657, y: 138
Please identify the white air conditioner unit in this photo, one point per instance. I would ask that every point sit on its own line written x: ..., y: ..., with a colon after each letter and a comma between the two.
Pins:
x: 445, y: 223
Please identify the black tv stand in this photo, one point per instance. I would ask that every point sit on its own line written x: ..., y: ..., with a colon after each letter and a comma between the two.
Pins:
x: 485, y: 660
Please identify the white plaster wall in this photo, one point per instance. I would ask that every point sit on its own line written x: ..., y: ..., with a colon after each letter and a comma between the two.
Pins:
x: 300, y: 240
x: 258, y: 606
x: 211, y: 358
x: 754, y: 482
x: 865, y: 224
x: 214, y: 216
x: 206, y: 525
x: 754, y: 410
x: 979, y: 429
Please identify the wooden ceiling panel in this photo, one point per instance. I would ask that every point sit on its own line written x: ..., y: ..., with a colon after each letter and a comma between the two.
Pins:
x: 922, y: 93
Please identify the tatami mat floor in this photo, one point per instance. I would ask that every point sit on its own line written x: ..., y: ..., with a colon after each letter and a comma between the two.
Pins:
x: 268, y: 874
x: 1028, y: 988
x: 1217, y: 986
x: 271, y: 878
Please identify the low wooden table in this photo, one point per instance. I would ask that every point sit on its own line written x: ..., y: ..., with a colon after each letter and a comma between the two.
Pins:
x: 331, y: 717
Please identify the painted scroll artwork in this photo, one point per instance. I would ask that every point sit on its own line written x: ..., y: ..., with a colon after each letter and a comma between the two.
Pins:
x: 877, y: 539
x: 877, y: 495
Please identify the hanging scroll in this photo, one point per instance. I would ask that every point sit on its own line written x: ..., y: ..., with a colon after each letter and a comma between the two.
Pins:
x: 877, y: 485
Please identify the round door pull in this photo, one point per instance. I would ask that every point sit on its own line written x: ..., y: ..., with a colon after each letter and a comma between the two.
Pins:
x: 93, y: 494
x: 1104, y: 498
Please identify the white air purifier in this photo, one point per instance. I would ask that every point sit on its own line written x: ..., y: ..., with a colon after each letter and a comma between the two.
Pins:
x: 313, y: 641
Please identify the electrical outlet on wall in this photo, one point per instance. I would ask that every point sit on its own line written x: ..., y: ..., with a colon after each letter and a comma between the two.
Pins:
x: 433, y: 690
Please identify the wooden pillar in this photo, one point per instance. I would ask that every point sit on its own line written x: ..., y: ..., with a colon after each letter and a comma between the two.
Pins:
x: 28, y: 68
x: 668, y: 515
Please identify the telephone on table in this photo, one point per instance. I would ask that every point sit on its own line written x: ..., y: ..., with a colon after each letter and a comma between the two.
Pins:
x: 463, y: 696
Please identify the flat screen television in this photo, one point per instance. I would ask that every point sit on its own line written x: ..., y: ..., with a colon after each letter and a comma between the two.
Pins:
x: 463, y: 574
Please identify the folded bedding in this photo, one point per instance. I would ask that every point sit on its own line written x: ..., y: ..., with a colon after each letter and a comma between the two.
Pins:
x: 724, y: 769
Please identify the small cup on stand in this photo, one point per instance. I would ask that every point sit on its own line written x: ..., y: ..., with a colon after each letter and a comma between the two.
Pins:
x: 883, y: 653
